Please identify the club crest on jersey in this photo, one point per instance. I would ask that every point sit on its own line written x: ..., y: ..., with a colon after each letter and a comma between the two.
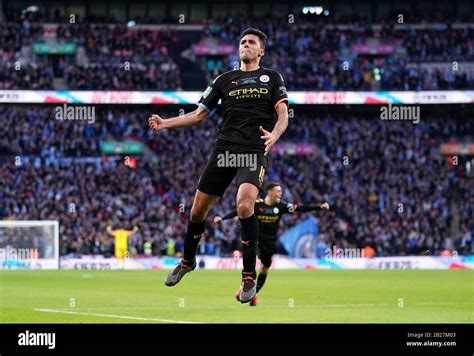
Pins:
x: 264, y: 78
x: 276, y: 210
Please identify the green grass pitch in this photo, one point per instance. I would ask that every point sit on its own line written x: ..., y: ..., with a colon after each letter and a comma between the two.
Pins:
x: 204, y: 296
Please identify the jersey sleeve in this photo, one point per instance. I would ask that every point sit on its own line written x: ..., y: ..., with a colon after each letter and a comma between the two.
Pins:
x: 287, y: 208
x: 129, y: 233
x: 211, y: 96
x: 279, y: 93
x: 230, y: 215
x: 305, y: 208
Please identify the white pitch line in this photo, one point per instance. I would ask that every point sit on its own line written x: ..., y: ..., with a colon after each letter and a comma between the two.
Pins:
x: 283, y: 306
x: 349, y: 305
x: 312, y: 306
x: 114, y: 316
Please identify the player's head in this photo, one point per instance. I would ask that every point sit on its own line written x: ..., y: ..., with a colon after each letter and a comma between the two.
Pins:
x: 274, y: 192
x: 252, y: 45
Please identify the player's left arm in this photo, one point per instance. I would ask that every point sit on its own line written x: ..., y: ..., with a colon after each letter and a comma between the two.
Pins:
x: 282, y: 123
x: 280, y: 103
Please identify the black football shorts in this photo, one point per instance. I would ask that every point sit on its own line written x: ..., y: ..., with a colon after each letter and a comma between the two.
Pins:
x: 266, y: 250
x: 224, y: 166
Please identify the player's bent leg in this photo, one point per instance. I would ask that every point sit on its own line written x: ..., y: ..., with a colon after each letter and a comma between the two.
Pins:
x: 202, y: 204
x: 246, y: 196
x: 262, y: 276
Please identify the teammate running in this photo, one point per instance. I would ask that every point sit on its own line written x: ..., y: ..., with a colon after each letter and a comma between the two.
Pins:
x: 254, y: 106
x: 269, y: 212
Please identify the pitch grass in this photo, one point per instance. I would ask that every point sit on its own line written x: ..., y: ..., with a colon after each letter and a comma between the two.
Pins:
x: 302, y: 296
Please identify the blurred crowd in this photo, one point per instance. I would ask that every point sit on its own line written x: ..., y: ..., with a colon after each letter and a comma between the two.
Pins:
x: 387, y: 183
x: 315, y: 56
x: 311, y: 55
x: 121, y: 59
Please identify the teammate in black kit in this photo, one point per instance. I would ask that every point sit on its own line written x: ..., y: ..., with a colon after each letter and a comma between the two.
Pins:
x: 254, y: 106
x: 269, y: 212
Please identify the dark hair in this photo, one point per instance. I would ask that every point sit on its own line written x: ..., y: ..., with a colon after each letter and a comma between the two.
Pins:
x: 271, y: 185
x: 258, y: 33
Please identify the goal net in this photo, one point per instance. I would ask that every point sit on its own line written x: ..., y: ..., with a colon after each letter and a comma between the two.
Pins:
x: 29, y: 244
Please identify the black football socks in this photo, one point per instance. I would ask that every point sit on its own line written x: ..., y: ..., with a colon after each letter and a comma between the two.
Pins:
x: 261, y: 281
x: 191, y: 241
x: 249, y: 233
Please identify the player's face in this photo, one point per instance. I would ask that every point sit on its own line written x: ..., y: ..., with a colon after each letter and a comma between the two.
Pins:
x: 275, y: 194
x: 249, y: 49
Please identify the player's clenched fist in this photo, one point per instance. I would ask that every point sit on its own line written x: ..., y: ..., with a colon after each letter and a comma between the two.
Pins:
x: 156, y: 123
x: 324, y: 206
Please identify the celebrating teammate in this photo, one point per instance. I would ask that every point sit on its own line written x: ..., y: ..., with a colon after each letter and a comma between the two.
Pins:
x: 254, y: 107
x: 269, y: 212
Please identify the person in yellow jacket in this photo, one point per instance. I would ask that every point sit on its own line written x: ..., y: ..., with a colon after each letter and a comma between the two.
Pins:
x: 121, y: 240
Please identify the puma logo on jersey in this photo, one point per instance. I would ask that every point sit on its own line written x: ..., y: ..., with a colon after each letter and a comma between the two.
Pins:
x: 197, y: 236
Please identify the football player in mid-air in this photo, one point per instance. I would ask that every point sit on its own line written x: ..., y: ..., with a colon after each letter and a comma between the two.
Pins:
x: 254, y: 106
x: 269, y: 212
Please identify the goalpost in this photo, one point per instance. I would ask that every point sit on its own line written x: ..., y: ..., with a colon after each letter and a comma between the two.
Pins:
x: 29, y: 244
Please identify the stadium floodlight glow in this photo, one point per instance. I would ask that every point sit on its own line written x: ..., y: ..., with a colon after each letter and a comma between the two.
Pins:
x: 326, y: 13
x: 318, y: 10
x: 32, y: 8
x: 131, y: 23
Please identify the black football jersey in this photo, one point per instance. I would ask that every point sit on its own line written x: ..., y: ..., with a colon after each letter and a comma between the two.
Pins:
x: 248, y: 100
x: 269, y: 216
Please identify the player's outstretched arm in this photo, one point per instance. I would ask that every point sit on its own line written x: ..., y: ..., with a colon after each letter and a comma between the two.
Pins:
x: 304, y: 208
x: 218, y: 219
x: 157, y: 123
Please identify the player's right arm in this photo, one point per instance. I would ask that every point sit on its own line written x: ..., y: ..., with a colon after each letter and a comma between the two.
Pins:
x: 303, y: 208
x: 218, y: 219
x: 192, y: 118
x: 206, y: 105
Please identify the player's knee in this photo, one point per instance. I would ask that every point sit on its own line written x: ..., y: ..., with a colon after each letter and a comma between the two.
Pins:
x: 245, y: 209
x: 266, y: 264
x: 198, y: 214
